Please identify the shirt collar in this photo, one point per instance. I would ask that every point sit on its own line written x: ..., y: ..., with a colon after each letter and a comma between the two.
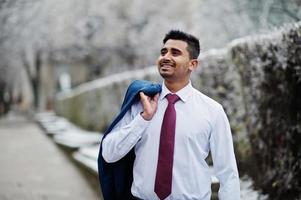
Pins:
x: 182, y: 93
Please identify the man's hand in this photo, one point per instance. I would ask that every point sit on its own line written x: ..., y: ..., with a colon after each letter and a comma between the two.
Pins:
x: 149, y: 105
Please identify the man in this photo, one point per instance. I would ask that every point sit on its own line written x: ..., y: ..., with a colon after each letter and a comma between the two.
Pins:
x: 173, y: 132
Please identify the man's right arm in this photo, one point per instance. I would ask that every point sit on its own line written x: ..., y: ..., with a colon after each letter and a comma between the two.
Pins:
x: 129, y: 130
x: 124, y: 136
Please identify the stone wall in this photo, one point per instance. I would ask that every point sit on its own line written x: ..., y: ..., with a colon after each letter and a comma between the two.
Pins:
x: 93, y: 105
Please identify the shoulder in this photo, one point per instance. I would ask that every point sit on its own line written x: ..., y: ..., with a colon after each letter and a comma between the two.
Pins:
x: 205, y: 100
x: 210, y: 109
x: 206, y: 106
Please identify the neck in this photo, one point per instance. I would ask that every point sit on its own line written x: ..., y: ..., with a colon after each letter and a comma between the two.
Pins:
x: 175, y: 86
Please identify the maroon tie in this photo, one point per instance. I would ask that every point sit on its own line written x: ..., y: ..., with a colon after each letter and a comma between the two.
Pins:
x: 166, y: 149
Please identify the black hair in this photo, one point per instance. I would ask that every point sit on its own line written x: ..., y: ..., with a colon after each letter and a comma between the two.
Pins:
x: 193, y: 45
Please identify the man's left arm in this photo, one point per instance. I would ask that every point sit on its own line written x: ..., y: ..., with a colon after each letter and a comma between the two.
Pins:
x: 224, y: 162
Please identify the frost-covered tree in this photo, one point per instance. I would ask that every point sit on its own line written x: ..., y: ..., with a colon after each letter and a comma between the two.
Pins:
x: 110, y: 36
x: 221, y: 23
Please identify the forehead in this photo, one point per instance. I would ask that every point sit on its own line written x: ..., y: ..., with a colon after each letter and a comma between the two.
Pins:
x: 176, y: 44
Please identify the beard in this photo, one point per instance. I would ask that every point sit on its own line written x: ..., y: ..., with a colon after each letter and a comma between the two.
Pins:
x: 165, y: 73
x: 166, y: 68
x: 165, y: 76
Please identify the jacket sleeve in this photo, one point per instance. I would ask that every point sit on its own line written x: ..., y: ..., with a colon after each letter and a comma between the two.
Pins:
x: 124, y: 135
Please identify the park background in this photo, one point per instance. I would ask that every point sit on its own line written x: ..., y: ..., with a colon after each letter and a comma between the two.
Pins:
x: 68, y: 56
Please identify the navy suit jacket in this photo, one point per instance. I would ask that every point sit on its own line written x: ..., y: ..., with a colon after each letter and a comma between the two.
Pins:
x: 116, y: 178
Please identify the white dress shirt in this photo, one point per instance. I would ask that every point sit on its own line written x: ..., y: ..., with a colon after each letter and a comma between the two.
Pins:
x: 201, y: 125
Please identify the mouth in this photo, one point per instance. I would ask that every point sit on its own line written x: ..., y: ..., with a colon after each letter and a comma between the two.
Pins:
x: 165, y: 65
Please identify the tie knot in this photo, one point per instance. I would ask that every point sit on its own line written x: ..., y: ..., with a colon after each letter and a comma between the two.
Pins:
x: 172, y: 98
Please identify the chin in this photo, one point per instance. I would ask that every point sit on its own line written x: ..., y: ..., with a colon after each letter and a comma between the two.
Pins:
x: 165, y: 75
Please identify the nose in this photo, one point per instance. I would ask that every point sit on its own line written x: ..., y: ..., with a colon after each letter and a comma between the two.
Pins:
x: 166, y: 56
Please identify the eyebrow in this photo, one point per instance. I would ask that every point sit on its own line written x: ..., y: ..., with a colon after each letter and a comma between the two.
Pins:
x: 176, y: 50
x: 172, y: 49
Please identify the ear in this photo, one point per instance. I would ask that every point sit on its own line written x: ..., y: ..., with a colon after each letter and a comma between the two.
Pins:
x: 193, y: 64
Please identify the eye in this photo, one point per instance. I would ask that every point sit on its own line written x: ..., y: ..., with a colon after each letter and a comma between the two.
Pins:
x: 163, y: 52
x: 175, y: 52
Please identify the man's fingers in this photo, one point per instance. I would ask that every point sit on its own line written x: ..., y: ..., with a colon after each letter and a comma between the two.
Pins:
x: 142, y: 96
x: 149, y: 105
x: 156, y: 97
x: 145, y: 98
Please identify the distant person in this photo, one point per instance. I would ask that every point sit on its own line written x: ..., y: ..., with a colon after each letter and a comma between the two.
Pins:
x: 172, y: 133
